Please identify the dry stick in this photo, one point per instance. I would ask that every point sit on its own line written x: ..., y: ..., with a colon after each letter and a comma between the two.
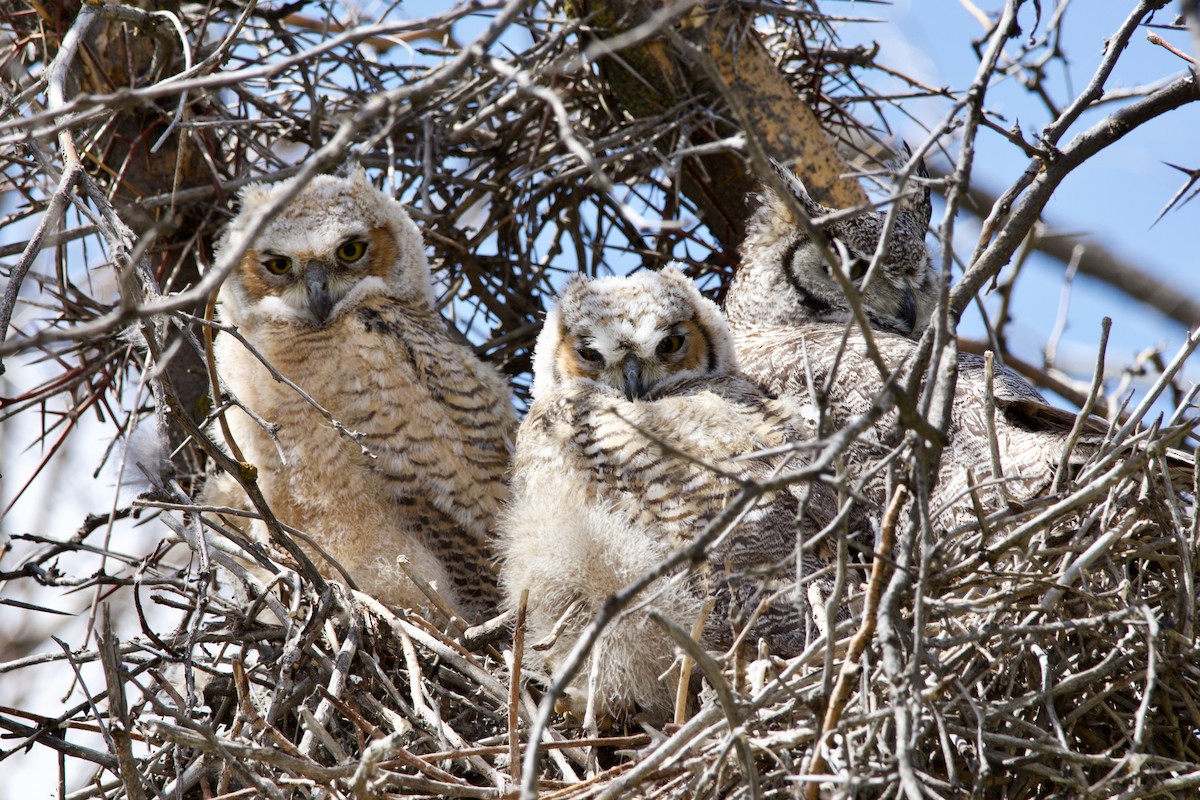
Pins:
x: 1048, y: 173
x: 487, y: 631
x: 373, y: 756
x: 937, y: 347
x: 973, y: 490
x: 90, y: 700
x: 514, y: 697
x: 58, y: 69
x: 407, y: 633
x: 734, y: 714
x: 247, y: 707
x: 1154, y: 38
x: 685, y: 668
x: 432, y: 594
x: 850, y: 664
x: 118, y: 709
x: 339, y: 678
x: 699, y: 727
x: 1044, y: 157
x: 244, y: 755
x: 322, y: 159
x: 1050, y: 352
x: 1164, y: 380
x: 989, y: 421
x: 314, y: 731
x: 16, y: 275
x: 422, y: 762
x: 61, y: 745
x: 1060, y: 475
x: 1102, y: 264
x: 632, y: 740
x: 214, y: 384
x: 439, y: 646
x: 86, y: 106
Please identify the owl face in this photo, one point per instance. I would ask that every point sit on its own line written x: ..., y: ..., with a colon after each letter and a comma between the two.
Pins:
x: 631, y: 333
x: 784, y: 279
x: 337, y: 241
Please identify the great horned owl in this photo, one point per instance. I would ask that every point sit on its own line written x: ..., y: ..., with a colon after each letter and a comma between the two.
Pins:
x: 640, y: 433
x: 793, y: 333
x: 335, y: 294
x: 899, y: 297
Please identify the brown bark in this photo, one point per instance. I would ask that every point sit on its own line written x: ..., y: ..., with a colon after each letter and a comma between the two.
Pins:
x: 124, y: 157
x: 660, y: 73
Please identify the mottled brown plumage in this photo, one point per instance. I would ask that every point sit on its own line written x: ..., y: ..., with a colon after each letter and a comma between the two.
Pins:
x: 635, y: 442
x: 335, y: 294
x: 793, y: 332
x: 796, y: 283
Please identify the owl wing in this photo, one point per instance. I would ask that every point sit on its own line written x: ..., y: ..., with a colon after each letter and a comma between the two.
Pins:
x: 668, y: 466
x: 1031, y: 432
x: 784, y: 359
x: 439, y: 434
x: 1017, y: 399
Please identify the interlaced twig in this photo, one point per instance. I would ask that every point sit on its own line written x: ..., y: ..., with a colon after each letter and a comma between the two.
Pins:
x: 1047, y: 644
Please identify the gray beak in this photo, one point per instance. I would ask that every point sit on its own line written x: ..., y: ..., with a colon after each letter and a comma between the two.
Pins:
x: 319, y: 299
x: 631, y: 367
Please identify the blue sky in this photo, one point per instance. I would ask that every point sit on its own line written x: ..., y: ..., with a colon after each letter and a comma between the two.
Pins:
x: 1112, y: 200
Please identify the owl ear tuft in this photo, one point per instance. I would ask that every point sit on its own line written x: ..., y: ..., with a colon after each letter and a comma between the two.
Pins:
x: 673, y: 272
x: 253, y: 194
x: 353, y: 171
x: 920, y: 206
x: 574, y: 284
x: 797, y: 189
x: 674, y: 275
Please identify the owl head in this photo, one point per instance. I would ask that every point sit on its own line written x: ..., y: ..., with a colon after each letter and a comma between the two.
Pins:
x: 784, y: 279
x: 338, y: 240
x: 631, y: 333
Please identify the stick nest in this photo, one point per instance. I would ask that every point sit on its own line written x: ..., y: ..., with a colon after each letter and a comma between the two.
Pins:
x: 1044, y: 651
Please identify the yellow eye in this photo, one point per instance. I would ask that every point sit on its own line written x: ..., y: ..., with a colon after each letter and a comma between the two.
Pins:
x: 671, y: 344
x: 352, y: 250
x: 278, y: 265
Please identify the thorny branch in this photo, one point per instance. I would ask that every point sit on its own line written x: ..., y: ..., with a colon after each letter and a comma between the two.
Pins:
x: 1050, y: 643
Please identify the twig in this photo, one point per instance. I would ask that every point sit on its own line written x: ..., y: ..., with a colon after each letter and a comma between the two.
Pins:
x: 119, y: 726
x: 685, y: 668
x: 337, y: 681
x: 1049, y: 175
x: 880, y: 569
x: 514, y: 697
x: 50, y: 218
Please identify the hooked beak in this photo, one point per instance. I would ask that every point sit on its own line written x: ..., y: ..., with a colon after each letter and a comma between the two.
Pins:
x: 631, y: 368
x: 316, y: 279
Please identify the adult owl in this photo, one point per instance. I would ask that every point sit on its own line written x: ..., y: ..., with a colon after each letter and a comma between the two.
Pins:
x: 334, y: 293
x: 641, y: 432
x: 794, y: 331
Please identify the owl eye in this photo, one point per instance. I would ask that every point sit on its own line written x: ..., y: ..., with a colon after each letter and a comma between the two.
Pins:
x: 671, y: 344
x: 352, y: 250
x: 588, y: 354
x: 858, y: 268
x: 278, y: 265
